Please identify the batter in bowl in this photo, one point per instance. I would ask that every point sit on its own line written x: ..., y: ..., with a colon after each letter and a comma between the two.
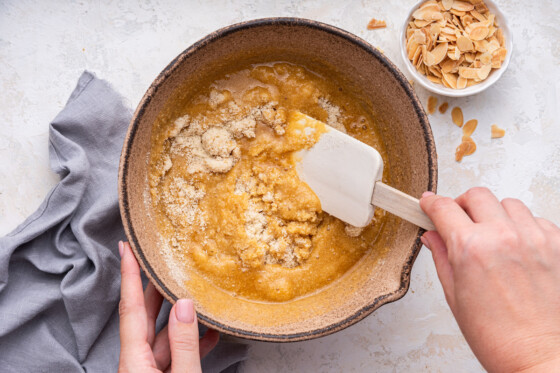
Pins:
x: 227, y: 199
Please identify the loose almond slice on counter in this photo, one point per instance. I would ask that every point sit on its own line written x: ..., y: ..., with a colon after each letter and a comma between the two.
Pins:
x: 457, y: 116
x: 432, y: 104
x: 469, y: 127
x: 497, y: 132
x: 375, y: 24
x: 467, y: 147
x: 443, y: 107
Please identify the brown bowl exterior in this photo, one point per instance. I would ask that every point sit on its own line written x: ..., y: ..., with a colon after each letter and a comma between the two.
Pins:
x: 405, y: 130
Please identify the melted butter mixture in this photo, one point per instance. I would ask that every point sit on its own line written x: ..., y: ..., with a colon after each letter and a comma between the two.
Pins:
x: 227, y: 199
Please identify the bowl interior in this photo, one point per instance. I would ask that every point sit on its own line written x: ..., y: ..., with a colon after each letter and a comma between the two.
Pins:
x: 495, y: 74
x: 401, y: 121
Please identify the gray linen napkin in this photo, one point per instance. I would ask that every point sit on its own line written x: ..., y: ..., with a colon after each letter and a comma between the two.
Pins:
x: 59, y: 270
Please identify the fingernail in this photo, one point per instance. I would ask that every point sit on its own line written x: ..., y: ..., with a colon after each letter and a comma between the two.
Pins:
x: 184, y: 310
x: 425, y: 241
x: 427, y: 194
x: 121, y: 248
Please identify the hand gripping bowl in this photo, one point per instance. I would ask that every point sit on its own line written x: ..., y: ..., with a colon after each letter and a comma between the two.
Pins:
x: 403, y: 126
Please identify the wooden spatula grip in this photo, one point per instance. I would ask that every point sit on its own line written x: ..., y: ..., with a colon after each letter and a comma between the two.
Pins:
x: 401, y: 204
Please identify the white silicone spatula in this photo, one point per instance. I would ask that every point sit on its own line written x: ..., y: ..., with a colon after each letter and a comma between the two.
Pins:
x: 346, y: 176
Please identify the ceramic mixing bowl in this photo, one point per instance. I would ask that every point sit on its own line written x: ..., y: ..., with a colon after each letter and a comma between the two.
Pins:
x: 376, y: 279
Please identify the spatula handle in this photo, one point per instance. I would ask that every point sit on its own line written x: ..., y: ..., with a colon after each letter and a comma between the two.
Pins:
x: 401, y: 204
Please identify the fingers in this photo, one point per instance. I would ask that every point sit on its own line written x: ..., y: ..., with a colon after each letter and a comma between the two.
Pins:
x: 481, y: 205
x: 153, y: 300
x: 446, y: 214
x: 208, y: 341
x: 162, y: 353
x: 132, y: 311
x: 547, y: 225
x: 518, y: 212
x: 433, y: 241
x: 183, y: 338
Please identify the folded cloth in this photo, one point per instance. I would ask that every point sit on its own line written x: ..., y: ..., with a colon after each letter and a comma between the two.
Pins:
x: 59, y: 270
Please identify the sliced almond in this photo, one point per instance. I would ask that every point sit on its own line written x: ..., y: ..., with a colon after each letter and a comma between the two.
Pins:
x: 457, y: 116
x: 462, y: 6
x: 500, y: 36
x: 432, y: 104
x: 478, y: 16
x: 417, y: 56
x: 409, y: 32
x: 421, y: 23
x: 375, y: 24
x: 435, y: 70
x: 481, y: 45
x: 458, y: 13
x: 497, y: 132
x: 464, y: 44
x: 447, y: 4
x: 443, y: 107
x: 434, y: 79
x: 428, y: 13
x: 419, y: 37
x: 435, y: 29
x: 493, y: 45
x: 436, y: 55
x: 451, y: 66
x: 483, y: 72
x: 411, y: 48
x: 451, y: 79
x: 453, y: 53
x: 478, y: 33
x: 467, y: 147
x: 468, y: 72
x: 479, y: 6
x: 486, y: 58
x: 469, y: 57
x: 461, y: 83
x: 469, y: 127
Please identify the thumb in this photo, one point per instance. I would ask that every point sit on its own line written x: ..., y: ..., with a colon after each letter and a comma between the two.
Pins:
x: 183, y: 338
x: 433, y: 241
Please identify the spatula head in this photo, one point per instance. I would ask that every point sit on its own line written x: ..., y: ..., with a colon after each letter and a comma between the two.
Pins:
x: 342, y: 172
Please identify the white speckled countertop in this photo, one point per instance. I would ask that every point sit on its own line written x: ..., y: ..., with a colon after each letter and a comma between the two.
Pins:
x: 44, y: 46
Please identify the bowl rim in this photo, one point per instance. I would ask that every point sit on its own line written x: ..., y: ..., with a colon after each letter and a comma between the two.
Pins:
x: 469, y: 91
x: 133, y: 128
